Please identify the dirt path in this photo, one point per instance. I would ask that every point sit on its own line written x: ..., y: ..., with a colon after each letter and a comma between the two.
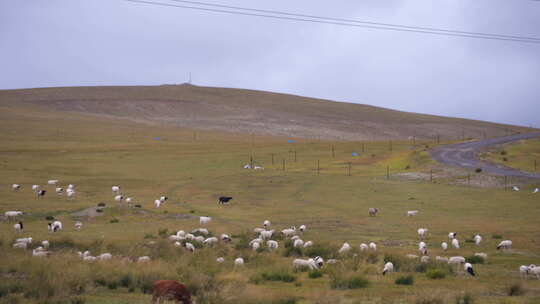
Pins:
x: 465, y: 155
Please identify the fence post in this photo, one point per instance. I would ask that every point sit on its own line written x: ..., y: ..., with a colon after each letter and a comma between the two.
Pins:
x: 272, y: 158
x: 284, y: 164
x: 318, y: 167
x: 294, y: 155
x: 349, y: 169
x: 363, y: 150
x: 431, y: 175
x: 535, y: 165
x: 468, y: 178
x: 390, y: 145
x: 333, y: 152
x: 251, y: 161
x: 387, y: 172
x: 505, y: 181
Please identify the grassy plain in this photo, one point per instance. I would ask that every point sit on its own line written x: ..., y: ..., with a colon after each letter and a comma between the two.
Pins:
x: 520, y: 155
x: 194, y: 168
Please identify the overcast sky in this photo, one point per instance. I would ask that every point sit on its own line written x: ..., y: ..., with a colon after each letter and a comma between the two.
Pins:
x: 114, y: 42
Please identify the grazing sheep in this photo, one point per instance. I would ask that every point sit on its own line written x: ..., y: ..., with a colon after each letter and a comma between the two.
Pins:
x: 515, y: 188
x: 255, y: 246
x: 59, y: 191
x: 289, y: 232
x: 78, y: 225
x: 477, y: 239
x: 18, y: 227
x: 89, y: 258
x: 143, y: 259
x: 444, y: 246
x: 54, y: 226
x: 163, y: 199
x: 224, y: 200
x: 388, y: 267
x: 456, y: 260
x: 506, y: 244
x: 534, y: 271
x: 452, y: 235
x: 295, y: 237
x: 364, y: 247
x: 373, y: 211
x: 71, y: 187
x: 422, y: 232
x: 258, y: 230
x: 52, y: 182
x: 422, y: 245
x: 523, y: 270
x: 203, y: 220
x: 266, y: 223
x: 70, y: 194
x: 411, y: 256
x: 27, y: 240
x: 424, y: 259
x: 258, y: 168
x: 272, y: 244
x: 266, y: 234
x: 239, y: 262
x: 181, y: 233
x: 45, y: 244
x: 441, y: 259
x: 10, y: 214
x: 210, y: 240
x: 129, y: 200
x: 302, y: 228
x: 199, y: 238
x: 455, y: 243
x: 345, y: 248
x: 373, y: 246
x: 468, y: 267
x: 177, y: 244
x: 220, y: 260
x: 302, y: 263
x: 104, y: 256
x: 190, y: 247
x: 170, y: 290
x: 20, y: 245
x: 481, y: 254
x: 15, y: 187
x: 189, y: 236
x: 298, y: 243
x: 308, y: 244
x: 115, y: 189
x: 35, y: 188
x: 423, y: 251
x: 39, y: 253
x: 202, y: 231
x: 175, y: 237
x: 41, y: 193
x: 412, y: 213
x: 225, y: 238
x: 157, y: 203
x: 119, y: 198
x: 536, y: 190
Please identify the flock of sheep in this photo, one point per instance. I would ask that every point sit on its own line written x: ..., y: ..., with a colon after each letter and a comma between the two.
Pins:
x: 264, y: 236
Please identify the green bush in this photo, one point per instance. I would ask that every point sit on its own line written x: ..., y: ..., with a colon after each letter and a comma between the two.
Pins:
x: 101, y: 204
x: 99, y: 210
x: 315, y: 273
x: 77, y: 300
x: 405, y: 280
x: 325, y: 251
x: 496, y: 236
x: 163, y: 232
x: 126, y: 280
x: 503, y: 152
x: 114, y: 220
x: 274, y: 275
x: 515, y: 289
x: 465, y: 298
x: 292, y: 251
x: 354, y: 281
x: 49, y: 218
x: 478, y: 170
x: 112, y: 285
x: 474, y: 259
x: 436, y: 274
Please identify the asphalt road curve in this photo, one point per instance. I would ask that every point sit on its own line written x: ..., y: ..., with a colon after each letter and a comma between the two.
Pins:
x: 465, y: 155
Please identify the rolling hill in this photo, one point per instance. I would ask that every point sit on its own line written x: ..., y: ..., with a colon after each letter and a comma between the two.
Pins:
x: 248, y: 111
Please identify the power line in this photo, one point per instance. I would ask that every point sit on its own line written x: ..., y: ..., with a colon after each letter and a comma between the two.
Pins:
x: 357, y: 21
x: 520, y: 39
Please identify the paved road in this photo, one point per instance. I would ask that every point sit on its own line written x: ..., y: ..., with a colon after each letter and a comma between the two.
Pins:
x: 465, y: 155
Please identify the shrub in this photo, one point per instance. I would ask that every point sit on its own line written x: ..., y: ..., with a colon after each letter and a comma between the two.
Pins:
x: 325, y: 251
x: 354, y: 281
x: 114, y: 220
x: 505, y: 159
x: 99, y: 210
x: 77, y: 300
x: 405, y: 280
x: 163, y: 232
x: 407, y: 167
x: 292, y: 251
x: 430, y: 299
x: 191, y: 211
x: 49, y: 218
x: 469, y: 241
x: 422, y: 267
x: 112, y: 285
x: 126, y: 280
x: 515, y: 289
x: 436, y: 274
x: 138, y: 206
x: 478, y: 170
x: 474, y: 259
x: 278, y: 275
x: 63, y: 243
x: 315, y: 273
x: 465, y: 298
x: 503, y: 152
x: 242, y: 242
x: 496, y: 236
x: 101, y: 204
x: 149, y: 236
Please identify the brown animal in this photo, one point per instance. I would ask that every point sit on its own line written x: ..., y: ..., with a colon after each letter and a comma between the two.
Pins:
x: 170, y: 290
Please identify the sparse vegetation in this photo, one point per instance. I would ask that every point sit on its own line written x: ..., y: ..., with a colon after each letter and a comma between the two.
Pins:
x: 405, y: 280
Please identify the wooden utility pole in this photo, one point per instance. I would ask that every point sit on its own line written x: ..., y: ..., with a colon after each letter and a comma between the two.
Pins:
x: 318, y: 167
x: 387, y: 172
x: 505, y: 181
x: 431, y: 175
x: 349, y: 171
x: 333, y: 152
x: 294, y: 155
x: 251, y: 161
x: 363, y: 148
x: 468, y: 178
x: 535, y: 165
x: 284, y: 164
x: 272, y: 158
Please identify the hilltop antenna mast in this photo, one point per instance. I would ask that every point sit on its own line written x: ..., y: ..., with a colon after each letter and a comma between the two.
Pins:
x: 189, y: 78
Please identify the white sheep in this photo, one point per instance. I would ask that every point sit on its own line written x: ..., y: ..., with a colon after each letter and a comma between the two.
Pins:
x: 515, y: 188
x: 302, y: 263
x: 302, y: 228
x: 15, y: 187
x: 308, y: 244
x: 481, y: 254
x: 295, y: 237
x: 452, y: 235
x: 345, y: 248
x: 272, y: 244
x: 163, y: 199
x: 143, y: 259
x: 181, y: 233
x: 115, y: 189
x: 373, y: 246
x: 177, y: 244
x: 258, y: 230
x: 71, y: 187
x: 444, y: 246
x: 225, y: 238
x: 455, y: 243
x: 422, y: 245
x: 412, y: 213
x: 20, y: 245
x: 441, y: 259
x: 55, y: 226
x: 89, y: 258
x: 157, y: 203
x: 203, y: 220
x: 477, y: 239
x: 536, y: 190
x: 422, y: 232
x: 39, y: 253
x: 220, y: 260
x: 523, y: 270
x: 424, y: 259
x: 210, y: 240
x: 266, y: 234
x: 59, y: 190
x: 364, y: 247
x: 533, y: 270
x: 239, y: 262
x: 11, y: 214
x: 129, y: 200
x: 45, y: 244
x: 255, y: 246
x: 456, y: 260
x: 190, y: 247
x: 331, y: 261
x: 52, y: 182
x: 203, y: 231
x: 506, y: 244
x: 119, y: 198
x: 388, y: 267
x: 70, y: 194
x: 104, y: 256
x: 176, y: 238
x: 411, y: 256
x: 289, y: 232
x: 373, y: 211
x: 298, y: 243
x: 18, y: 227
x: 78, y: 225
x: 266, y: 223
x: 27, y: 240
x: 199, y: 238
x: 468, y: 267
x: 189, y: 236
x: 35, y: 188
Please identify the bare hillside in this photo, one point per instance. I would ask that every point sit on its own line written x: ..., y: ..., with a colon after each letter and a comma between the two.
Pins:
x: 247, y: 111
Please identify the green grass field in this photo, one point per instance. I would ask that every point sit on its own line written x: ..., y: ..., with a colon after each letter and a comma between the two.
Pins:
x: 194, y: 168
x: 520, y: 155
